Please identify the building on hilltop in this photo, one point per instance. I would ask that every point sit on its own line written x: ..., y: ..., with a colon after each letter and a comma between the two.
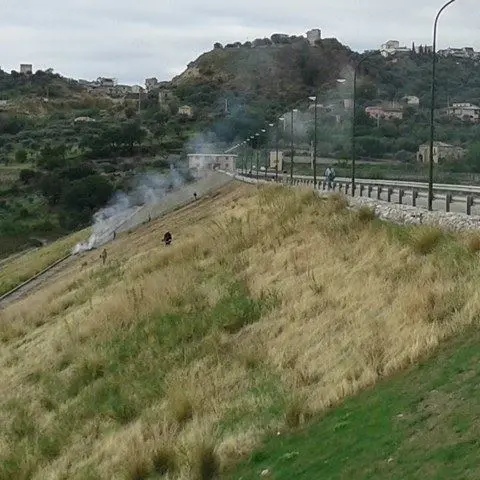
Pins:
x: 151, y: 83
x: 465, y: 111
x: 393, y: 47
x: 441, y: 152
x: 106, y: 82
x: 465, y: 52
x: 26, y: 68
x: 314, y: 36
x: 212, y: 161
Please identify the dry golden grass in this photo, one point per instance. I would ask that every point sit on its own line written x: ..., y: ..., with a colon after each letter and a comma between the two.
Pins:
x: 28, y: 265
x: 270, y: 306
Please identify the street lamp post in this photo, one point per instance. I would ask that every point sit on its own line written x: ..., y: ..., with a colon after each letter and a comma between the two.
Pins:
x: 257, y: 159
x: 267, y: 156
x: 281, y: 119
x: 252, y: 138
x: 354, y: 129
x: 291, y: 145
x: 315, y: 99
x: 432, y: 106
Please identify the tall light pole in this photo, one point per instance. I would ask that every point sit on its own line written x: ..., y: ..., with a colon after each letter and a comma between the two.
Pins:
x: 281, y: 119
x: 432, y: 106
x: 291, y: 144
x: 354, y: 129
x: 267, y: 157
x: 257, y: 135
x: 315, y: 99
x: 252, y: 138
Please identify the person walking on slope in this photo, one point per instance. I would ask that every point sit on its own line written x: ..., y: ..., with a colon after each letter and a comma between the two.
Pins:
x: 103, y: 256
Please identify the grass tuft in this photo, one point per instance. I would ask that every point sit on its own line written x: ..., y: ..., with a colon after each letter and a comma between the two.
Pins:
x: 366, y: 214
x: 424, y: 240
x: 180, y: 406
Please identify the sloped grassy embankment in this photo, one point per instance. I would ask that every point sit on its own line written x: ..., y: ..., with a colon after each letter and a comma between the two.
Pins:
x: 271, y: 306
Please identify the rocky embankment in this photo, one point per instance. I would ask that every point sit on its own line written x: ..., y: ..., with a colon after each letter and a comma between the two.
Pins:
x: 408, y: 215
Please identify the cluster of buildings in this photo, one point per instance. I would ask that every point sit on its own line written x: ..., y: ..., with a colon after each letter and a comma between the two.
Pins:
x: 393, y: 47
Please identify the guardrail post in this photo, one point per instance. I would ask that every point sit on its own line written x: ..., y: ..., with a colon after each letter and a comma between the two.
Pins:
x: 448, y: 201
x: 414, y: 198
x: 369, y: 191
x: 362, y: 188
x: 401, y: 194
x: 347, y: 188
x: 379, y: 193
x: 469, y: 204
x: 389, y: 194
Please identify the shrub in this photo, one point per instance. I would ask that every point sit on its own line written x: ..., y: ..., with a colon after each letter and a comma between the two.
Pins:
x: 366, y: 214
x: 425, y: 240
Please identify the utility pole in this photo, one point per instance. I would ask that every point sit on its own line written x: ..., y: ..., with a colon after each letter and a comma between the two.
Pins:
x: 291, y: 146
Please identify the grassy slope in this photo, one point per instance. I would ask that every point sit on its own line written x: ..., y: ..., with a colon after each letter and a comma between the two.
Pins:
x: 270, y: 307
x: 422, y: 424
x: 26, y: 266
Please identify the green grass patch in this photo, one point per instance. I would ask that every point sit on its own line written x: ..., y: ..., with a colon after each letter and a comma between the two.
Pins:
x: 26, y: 266
x: 422, y: 424
x: 127, y: 372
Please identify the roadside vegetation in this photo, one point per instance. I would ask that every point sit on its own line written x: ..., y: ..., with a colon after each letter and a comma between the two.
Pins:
x: 271, y: 307
x: 22, y: 267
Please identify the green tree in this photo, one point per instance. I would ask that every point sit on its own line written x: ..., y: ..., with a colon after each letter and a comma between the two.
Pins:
x: 21, y: 155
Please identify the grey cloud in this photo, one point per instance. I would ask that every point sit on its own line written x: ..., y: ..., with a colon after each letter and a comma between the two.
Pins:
x: 131, y: 41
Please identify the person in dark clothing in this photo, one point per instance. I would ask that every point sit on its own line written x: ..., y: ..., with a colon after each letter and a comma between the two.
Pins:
x: 167, y: 238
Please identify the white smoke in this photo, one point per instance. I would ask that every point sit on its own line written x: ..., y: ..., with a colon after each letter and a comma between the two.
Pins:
x: 148, y: 189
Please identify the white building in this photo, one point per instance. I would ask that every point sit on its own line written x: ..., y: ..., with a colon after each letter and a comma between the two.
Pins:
x: 202, y: 161
x: 186, y: 110
x: 392, y: 47
x: 465, y: 111
x: 411, y: 100
x: 313, y: 36
x: 106, y: 82
x: 465, y: 52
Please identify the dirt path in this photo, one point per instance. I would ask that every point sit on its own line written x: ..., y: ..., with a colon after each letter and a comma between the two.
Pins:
x: 36, y: 284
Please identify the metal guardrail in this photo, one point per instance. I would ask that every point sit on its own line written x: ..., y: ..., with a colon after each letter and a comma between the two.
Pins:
x: 462, y: 198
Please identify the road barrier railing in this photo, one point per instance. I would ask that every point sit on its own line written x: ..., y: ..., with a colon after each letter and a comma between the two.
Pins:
x: 447, y: 197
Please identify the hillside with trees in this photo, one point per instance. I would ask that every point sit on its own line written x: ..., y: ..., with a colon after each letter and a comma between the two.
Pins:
x: 233, y: 91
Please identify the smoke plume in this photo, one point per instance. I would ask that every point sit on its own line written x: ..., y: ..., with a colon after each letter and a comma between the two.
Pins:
x: 148, y: 189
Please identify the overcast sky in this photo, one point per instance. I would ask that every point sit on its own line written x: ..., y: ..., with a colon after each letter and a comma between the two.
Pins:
x: 132, y: 40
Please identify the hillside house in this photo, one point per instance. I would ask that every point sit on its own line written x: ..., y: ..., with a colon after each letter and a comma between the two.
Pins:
x: 465, y: 111
x: 411, y: 100
x: 465, y: 52
x: 393, y: 47
x: 106, y: 82
x: 441, y: 152
x: 209, y: 161
x: 388, y: 113
x: 186, y: 111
